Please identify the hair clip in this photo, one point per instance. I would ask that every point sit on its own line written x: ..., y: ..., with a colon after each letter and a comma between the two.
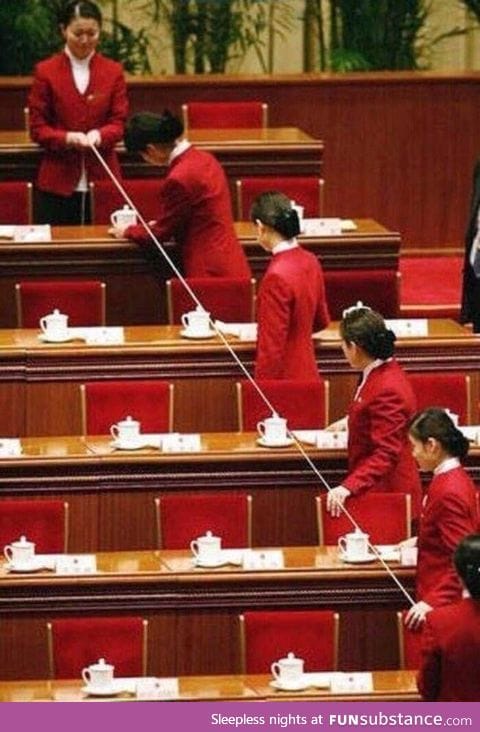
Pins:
x: 352, y: 308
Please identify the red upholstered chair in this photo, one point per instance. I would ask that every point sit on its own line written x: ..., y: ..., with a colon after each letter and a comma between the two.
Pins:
x: 306, y: 191
x: 208, y: 115
x: 448, y: 390
x: 83, y: 301
x: 266, y: 636
x: 43, y: 522
x: 379, y: 289
x: 106, y: 402
x: 231, y: 299
x: 304, y: 404
x: 74, y: 643
x: 16, y: 202
x: 409, y: 644
x: 106, y: 198
x: 183, y: 517
x: 386, y: 517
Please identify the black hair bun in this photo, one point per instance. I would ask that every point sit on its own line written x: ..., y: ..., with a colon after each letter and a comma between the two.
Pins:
x: 287, y: 223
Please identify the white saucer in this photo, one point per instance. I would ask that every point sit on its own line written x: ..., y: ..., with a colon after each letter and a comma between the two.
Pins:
x: 106, y: 691
x: 197, y: 337
x: 210, y: 565
x: 358, y: 560
x: 35, y: 567
x: 285, y: 443
x: 45, y: 339
x: 300, y: 686
x: 133, y: 445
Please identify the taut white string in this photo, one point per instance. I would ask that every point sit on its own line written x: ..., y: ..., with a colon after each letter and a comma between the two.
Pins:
x: 239, y: 363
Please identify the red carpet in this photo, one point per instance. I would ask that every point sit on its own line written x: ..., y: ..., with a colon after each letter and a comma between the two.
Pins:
x: 430, y: 287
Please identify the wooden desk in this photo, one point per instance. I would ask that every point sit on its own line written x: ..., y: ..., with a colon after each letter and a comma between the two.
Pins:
x: 39, y: 392
x: 193, y: 613
x: 242, y: 152
x: 387, y: 686
x: 89, y: 251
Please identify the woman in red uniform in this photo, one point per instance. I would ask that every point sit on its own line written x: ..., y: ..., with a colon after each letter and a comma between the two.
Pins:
x: 291, y: 300
x: 379, y: 454
x: 449, y: 511
x: 78, y: 99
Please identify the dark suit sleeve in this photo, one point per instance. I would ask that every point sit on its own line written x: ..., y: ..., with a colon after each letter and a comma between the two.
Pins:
x: 429, y: 675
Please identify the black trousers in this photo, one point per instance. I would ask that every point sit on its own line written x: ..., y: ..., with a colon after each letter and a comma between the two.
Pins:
x: 62, y: 210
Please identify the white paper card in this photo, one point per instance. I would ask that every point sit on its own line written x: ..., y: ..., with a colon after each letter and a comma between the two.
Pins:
x: 175, y: 442
x: 10, y: 447
x: 151, y: 688
x: 471, y: 432
x: 7, y: 232
x: 407, y: 328
x: 332, y: 440
x: 41, y: 232
x: 76, y: 564
x: 101, y: 336
x: 322, y: 227
x: 269, y: 559
x: 341, y: 683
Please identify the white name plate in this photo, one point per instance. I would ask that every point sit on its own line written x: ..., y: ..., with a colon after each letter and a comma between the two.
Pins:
x: 151, y: 688
x: 10, y: 447
x: 408, y: 328
x: 322, y: 227
x: 76, y: 564
x: 102, y: 336
x: 41, y: 232
x: 269, y: 559
x: 341, y: 683
x: 332, y: 440
x: 175, y: 442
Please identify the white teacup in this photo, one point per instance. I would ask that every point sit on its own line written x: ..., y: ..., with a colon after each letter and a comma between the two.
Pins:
x: 288, y: 671
x: 408, y: 556
x: 99, y: 675
x: 196, y: 322
x: 20, y: 553
x: 354, y: 545
x: 126, y: 432
x: 273, y: 430
x: 125, y: 216
x: 207, y: 549
x: 55, y: 326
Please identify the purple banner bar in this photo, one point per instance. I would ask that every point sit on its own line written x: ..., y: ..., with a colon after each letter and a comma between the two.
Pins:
x: 237, y: 716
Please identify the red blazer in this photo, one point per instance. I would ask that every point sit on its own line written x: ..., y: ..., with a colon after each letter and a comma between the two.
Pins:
x: 379, y: 454
x: 195, y: 209
x: 451, y: 653
x: 57, y: 107
x: 291, y: 306
x: 449, y: 513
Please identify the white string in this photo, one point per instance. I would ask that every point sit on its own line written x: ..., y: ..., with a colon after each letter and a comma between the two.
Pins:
x: 250, y: 378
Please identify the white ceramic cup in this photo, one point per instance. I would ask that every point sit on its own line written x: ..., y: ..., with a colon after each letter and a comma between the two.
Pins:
x: 125, y: 216
x: 354, y: 545
x: 20, y: 553
x: 99, y: 675
x: 207, y: 548
x: 126, y: 431
x: 273, y: 429
x: 408, y: 556
x: 196, y: 322
x: 55, y: 326
x: 288, y: 671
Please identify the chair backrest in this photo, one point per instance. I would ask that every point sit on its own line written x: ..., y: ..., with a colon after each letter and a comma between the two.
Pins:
x: 379, y: 289
x: 231, y: 299
x: 409, y: 643
x: 106, y: 402
x: 74, y: 643
x: 43, y: 522
x: 386, y: 517
x: 184, y: 517
x: 143, y: 192
x: 447, y: 390
x: 266, y: 636
x: 305, y: 191
x: 83, y: 301
x: 304, y: 404
x: 16, y: 206
x: 208, y: 115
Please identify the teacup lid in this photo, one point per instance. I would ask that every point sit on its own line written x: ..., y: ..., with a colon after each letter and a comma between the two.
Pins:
x: 55, y: 314
x: 275, y: 416
x: 101, y: 665
x: 208, y: 537
x: 290, y: 659
x: 127, y: 421
x: 22, y: 542
x: 358, y: 533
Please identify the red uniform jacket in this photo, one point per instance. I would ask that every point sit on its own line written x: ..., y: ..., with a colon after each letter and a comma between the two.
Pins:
x: 57, y: 107
x: 450, y: 653
x: 195, y: 209
x: 379, y: 454
x: 449, y: 513
x: 291, y: 306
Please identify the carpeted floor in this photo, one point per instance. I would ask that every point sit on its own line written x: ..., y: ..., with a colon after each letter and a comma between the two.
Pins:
x: 430, y: 286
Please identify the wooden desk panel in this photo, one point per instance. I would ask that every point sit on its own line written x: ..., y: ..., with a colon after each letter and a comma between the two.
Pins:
x: 136, y: 283
x: 193, y: 613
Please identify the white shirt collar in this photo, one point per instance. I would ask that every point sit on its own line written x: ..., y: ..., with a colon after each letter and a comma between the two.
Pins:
x: 448, y: 464
x: 367, y: 371
x: 284, y: 246
x: 179, y: 148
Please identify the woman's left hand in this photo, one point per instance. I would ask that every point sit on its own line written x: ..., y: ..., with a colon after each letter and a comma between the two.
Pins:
x: 417, y: 614
x: 336, y: 497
